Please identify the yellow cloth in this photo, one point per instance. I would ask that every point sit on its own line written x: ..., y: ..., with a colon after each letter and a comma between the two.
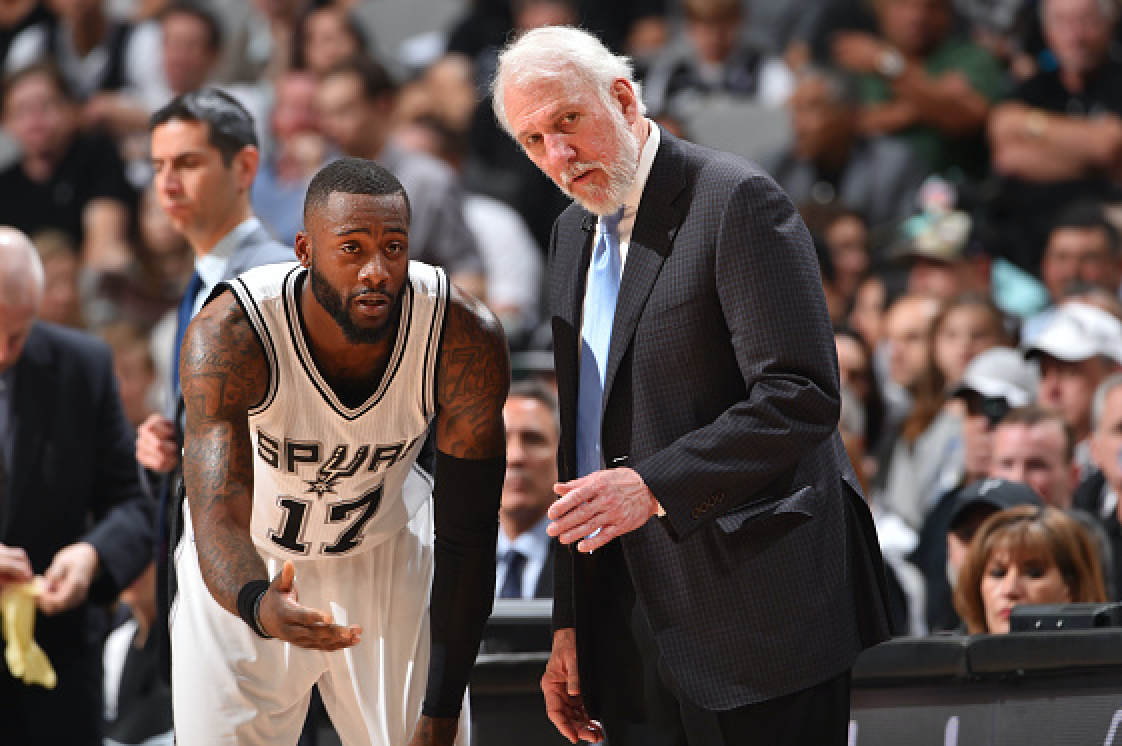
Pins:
x: 26, y: 660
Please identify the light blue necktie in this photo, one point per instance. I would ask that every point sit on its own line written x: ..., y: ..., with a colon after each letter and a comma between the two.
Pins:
x: 596, y: 339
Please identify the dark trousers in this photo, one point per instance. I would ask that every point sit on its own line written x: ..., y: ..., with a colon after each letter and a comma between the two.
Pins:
x: 634, y: 695
x: 68, y: 715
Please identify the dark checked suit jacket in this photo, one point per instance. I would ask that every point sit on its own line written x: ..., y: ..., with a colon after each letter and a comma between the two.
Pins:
x: 765, y: 576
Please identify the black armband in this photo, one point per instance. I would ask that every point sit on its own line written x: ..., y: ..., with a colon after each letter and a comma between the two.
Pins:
x: 249, y: 605
x: 466, y: 517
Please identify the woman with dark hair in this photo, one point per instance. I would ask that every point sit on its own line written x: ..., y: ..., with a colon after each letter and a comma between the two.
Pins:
x: 1025, y: 555
x: 324, y: 37
x: 858, y: 374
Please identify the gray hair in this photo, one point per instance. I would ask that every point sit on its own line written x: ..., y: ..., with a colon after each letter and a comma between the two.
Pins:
x: 1098, y: 402
x: 539, y: 392
x: 1109, y: 9
x: 21, y: 270
x: 560, y: 54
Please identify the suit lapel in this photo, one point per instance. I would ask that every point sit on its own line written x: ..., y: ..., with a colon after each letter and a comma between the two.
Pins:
x: 652, y: 236
x: 36, y: 395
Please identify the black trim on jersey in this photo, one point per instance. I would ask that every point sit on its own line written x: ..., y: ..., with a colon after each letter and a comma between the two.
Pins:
x: 440, y: 345
x: 444, y: 297
x: 295, y: 329
x: 257, y: 323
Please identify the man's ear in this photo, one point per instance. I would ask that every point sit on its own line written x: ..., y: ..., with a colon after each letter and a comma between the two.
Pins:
x: 244, y: 166
x: 302, y: 249
x: 623, y: 93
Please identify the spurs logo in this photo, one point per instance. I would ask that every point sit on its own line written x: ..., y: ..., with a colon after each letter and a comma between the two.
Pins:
x: 331, y: 472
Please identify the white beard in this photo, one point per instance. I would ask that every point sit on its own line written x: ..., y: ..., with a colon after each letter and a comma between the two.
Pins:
x: 621, y: 174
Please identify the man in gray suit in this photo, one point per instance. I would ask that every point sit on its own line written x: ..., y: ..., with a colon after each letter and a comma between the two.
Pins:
x: 723, y: 570
x: 205, y: 157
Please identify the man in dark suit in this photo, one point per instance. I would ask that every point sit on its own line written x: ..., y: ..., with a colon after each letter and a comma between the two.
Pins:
x: 205, y: 157
x: 525, y: 550
x: 723, y: 571
x: 71, y: 505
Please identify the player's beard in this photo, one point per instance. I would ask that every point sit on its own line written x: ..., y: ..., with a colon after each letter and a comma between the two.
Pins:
x: 621, y: 173
x: 336, y: 306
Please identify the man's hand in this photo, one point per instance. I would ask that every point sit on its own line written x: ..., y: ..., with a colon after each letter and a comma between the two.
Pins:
x: 68, y: 578
x: 561, y: 686
x: 435, y: 731
x: 857, y: 51
x: 15, y: 566
x: 612, y: 501
x: 156, y: 447
x: 282, y: 616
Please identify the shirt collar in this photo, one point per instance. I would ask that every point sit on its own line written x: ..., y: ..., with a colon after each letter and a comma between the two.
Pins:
x: 533, y: 544
x: 212, y: 266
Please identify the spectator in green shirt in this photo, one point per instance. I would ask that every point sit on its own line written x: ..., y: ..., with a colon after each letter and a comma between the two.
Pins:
x: 924, y: 84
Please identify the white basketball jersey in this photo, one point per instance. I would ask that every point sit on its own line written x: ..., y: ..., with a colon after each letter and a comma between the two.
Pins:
x: 329, y: 480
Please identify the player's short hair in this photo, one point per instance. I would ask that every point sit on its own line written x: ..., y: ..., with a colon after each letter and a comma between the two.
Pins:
x: 229, y: 124
x: 352, y: 176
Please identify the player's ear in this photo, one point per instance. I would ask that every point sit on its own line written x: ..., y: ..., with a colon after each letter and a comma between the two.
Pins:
x: 303, y: 250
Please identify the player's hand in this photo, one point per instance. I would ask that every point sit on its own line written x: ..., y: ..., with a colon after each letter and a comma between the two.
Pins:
x: 282, y: 616
x: 15, y: 566
x: 156, y: 446
x: 68, y: 579
x: 561, y: 686
x: 435, y: 731
x: 612, y: 501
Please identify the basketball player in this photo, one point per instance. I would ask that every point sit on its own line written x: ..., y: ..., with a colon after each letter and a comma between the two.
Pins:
x: 309, y: 389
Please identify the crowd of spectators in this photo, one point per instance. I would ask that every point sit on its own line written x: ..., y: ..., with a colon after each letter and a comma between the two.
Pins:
x: 958, y: 163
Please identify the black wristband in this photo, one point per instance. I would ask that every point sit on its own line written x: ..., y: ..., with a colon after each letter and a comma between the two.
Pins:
x: 249, y: 602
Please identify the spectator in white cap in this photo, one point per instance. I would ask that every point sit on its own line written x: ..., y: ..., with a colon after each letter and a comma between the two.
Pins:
x: 1080, y: 347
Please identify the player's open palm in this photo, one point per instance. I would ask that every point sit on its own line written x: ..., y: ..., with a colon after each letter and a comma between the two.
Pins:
x: 283, y: 617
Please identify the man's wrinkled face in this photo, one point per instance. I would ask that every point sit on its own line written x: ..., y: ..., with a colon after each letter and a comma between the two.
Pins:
x: 582, y: 143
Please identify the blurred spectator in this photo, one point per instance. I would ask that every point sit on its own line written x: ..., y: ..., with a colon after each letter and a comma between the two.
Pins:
x: 935, y: 248
x: 830, y: 163
x: 923, y: 83
x: 1035, y: 446
x: 325, y: 36
x: 1099, y: 493
x: 1079, y: 348
x: 1025, y: 555
x: 1059, y: 137
x: 1083, y: 249
x: 134, y: 368
x: 907, y: 339
x: 94, y: 52
x: 137, y: 701
x: 356, y: 102
x: 846, y: 237
x: 512, y: 260
x: 858, y: 374
x: 297, y: 149
x: 64, y: 180
x: 187, y: 40
x: 61, y: 295
x: 260, y: 47
x: 715, y: 58
x: 152, y: 282
x: 525, y: 551
x: 946, y: 538
x: 967, y: 325
x: 73, y: 509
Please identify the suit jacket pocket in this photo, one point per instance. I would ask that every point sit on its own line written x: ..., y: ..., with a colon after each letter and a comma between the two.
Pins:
x: 797, y: 502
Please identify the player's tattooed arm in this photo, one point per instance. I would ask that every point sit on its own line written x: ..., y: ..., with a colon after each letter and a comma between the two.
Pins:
x: 223, y: 372
x: 472, y: 380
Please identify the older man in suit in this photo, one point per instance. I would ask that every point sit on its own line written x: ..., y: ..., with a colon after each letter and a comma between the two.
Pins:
x: 71, y: 506
x: 723, y: 570
x: 205, y: 157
